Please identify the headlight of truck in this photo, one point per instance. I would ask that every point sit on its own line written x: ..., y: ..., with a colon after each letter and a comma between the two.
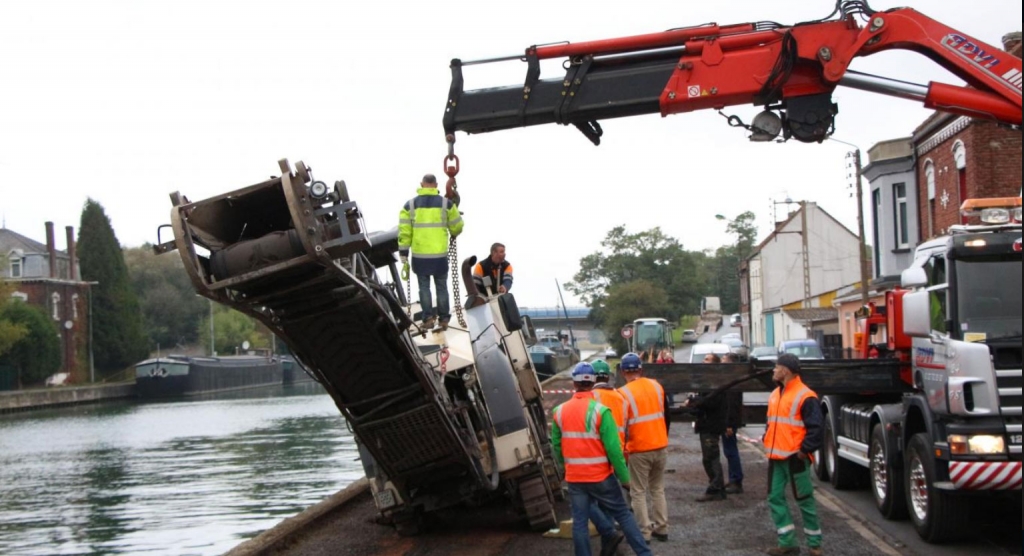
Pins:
x: 976, y: 445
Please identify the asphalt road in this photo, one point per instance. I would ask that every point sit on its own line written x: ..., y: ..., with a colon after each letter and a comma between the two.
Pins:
x: 995, y: 520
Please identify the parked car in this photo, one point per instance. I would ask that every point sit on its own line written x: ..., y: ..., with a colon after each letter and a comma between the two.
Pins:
x: 737, y: 347
x: 700, y: 350
x: 733, y: 336
x: 764, y: 353
x: 690, y: 337
x: 736, y: 320
x: 609, y: 353
x: 805, y: 350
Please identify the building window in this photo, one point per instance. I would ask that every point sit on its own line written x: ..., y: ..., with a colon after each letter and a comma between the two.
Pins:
x: 15, y: 268
x: 56, y: 305
x: 899, y: 191
x: 960, y: 156
x: 929, y: 177
x: 20, y: 296
x: 876, y: 210
x: 74, y: 306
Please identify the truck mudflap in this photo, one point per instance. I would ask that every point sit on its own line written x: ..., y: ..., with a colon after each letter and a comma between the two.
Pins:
x: 1001, y: 476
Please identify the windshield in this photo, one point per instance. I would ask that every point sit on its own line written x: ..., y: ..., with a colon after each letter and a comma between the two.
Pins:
x: 764, y: 351
x: 805, y: 351
x: 989, y: 299
x: 650, y: 335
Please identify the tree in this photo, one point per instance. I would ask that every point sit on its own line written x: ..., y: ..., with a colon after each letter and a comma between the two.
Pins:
x: 231, y: 329
x: 628, y: 302
x: 118, y: 334
x: 37, y: 355
x: 170, y: 307
x: 10, y: 332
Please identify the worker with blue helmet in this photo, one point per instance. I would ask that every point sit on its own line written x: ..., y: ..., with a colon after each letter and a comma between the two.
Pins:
x: 585, y: 440
x: 631, y: 362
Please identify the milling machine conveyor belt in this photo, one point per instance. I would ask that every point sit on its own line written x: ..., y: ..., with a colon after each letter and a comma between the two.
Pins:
x: 305, y: 267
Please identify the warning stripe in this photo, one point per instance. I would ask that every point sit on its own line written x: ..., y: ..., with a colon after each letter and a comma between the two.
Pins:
x: 985, y: 476
x: 559, y: 391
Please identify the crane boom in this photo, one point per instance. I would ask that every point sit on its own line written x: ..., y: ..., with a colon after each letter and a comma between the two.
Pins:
x: 789, y: 69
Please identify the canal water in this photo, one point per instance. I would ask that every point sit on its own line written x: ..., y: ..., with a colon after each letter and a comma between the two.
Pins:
x: 194, y: 476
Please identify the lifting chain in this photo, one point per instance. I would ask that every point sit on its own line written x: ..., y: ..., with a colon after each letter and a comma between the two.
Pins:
x: 451, y: 169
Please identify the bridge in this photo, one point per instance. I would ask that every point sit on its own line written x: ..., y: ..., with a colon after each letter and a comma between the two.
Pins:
x: 553, y: 319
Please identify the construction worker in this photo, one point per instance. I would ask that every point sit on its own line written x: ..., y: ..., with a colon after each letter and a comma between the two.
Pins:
x: 795, y: 432
x: 493, y: 275
x: 424, y: 225
x: 710, y: 423
x: 647, y: 438
x: 730, y: 440
x: 610, y: 397
x: 585, y: 440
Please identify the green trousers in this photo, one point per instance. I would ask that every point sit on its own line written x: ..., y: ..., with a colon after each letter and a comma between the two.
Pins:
x: 784, y: 476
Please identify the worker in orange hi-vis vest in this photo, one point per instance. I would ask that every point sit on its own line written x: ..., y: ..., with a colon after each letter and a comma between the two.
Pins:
x: 795, y: 432
x: 585, y: 439
x: 647, y: 428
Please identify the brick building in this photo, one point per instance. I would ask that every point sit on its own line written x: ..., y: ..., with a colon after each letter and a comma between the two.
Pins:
x: 959, y: 158
x: 48, y: 278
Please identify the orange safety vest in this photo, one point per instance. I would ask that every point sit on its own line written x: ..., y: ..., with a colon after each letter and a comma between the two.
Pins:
x: 645, y: 416
x: 586, y: 460
x: 786, y: 429
x: 615, y: 402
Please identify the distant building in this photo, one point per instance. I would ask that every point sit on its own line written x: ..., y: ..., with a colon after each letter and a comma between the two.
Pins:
x: 894, y: 206
x: 785, y: 303
x: 48, y: 278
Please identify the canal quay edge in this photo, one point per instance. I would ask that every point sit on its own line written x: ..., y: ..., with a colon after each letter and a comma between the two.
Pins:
x: 55, y: 398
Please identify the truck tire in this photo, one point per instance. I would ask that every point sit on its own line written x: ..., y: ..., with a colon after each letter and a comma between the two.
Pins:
x: 886, y: 481
x: 938, y: 516
x: 843, y: 474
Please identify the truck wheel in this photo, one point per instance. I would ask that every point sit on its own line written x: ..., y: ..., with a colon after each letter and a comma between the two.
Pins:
x: 886, y: 482
x: 937, y: 515
x: 844, y: 474
x: 819, y: 467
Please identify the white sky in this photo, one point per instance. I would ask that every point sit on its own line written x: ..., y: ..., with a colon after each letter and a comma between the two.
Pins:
x: 126, y: 102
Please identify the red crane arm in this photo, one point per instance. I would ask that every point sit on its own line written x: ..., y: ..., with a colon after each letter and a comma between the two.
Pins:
x: 794, y: 69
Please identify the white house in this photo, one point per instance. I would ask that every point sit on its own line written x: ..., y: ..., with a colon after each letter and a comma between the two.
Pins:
x: 787, y: 303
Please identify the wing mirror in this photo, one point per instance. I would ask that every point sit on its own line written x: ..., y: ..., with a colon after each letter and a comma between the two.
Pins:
x: 914, y: 277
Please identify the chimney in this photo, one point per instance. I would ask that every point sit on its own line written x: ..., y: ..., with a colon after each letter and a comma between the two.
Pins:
x: 1011, y: 42
x: 72, y: 270
x: 51, y: 249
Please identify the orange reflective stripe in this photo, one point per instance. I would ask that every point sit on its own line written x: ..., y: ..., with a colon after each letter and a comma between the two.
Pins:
x: 582, y: 448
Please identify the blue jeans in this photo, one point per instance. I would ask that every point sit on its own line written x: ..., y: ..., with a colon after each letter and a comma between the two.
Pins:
x: 607, y: 495
x: 731, y: 449
x: 441, y: 285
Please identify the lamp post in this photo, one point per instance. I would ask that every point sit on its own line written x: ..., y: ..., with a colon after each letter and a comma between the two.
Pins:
x: 855, y: 159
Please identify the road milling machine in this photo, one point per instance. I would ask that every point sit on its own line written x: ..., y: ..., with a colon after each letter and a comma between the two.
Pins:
x: 441, y: 417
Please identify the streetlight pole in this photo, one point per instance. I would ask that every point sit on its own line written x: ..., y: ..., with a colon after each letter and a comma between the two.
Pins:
x: 865, y: 278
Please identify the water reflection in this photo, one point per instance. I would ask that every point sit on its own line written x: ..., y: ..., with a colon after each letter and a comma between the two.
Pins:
x: 183, y: 477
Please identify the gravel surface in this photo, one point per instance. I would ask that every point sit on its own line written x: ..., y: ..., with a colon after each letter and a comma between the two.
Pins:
x: 739, y: 525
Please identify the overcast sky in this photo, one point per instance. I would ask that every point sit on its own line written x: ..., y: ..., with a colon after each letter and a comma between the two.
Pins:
x: 125, y: 102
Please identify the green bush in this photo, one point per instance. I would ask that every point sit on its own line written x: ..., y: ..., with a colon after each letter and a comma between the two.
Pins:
x: 37, y: 355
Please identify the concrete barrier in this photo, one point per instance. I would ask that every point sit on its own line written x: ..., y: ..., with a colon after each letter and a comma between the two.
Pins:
x: 27, y: 400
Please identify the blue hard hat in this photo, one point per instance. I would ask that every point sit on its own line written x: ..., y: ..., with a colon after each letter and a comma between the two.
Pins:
x: 584, y: 372
x: 631, y: 362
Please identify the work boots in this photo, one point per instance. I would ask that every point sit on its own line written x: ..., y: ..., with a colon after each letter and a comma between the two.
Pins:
x: 444, y: 324
x: 429, y: 322
x: 734, y: 488
x: 712, y: 497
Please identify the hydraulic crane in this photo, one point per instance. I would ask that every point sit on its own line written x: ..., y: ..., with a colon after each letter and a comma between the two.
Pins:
x: 933, y: 421
x: 791, y: 71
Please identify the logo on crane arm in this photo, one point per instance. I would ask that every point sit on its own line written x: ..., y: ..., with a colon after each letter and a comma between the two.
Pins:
x: 969, y: 51
x: 693, y: 91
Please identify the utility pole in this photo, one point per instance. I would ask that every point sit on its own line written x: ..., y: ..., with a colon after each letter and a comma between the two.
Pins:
x: 864, y: 275
x: 805, y: 254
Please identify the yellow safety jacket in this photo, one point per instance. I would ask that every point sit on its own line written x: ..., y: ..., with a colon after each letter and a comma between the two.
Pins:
x: 423, y: 228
